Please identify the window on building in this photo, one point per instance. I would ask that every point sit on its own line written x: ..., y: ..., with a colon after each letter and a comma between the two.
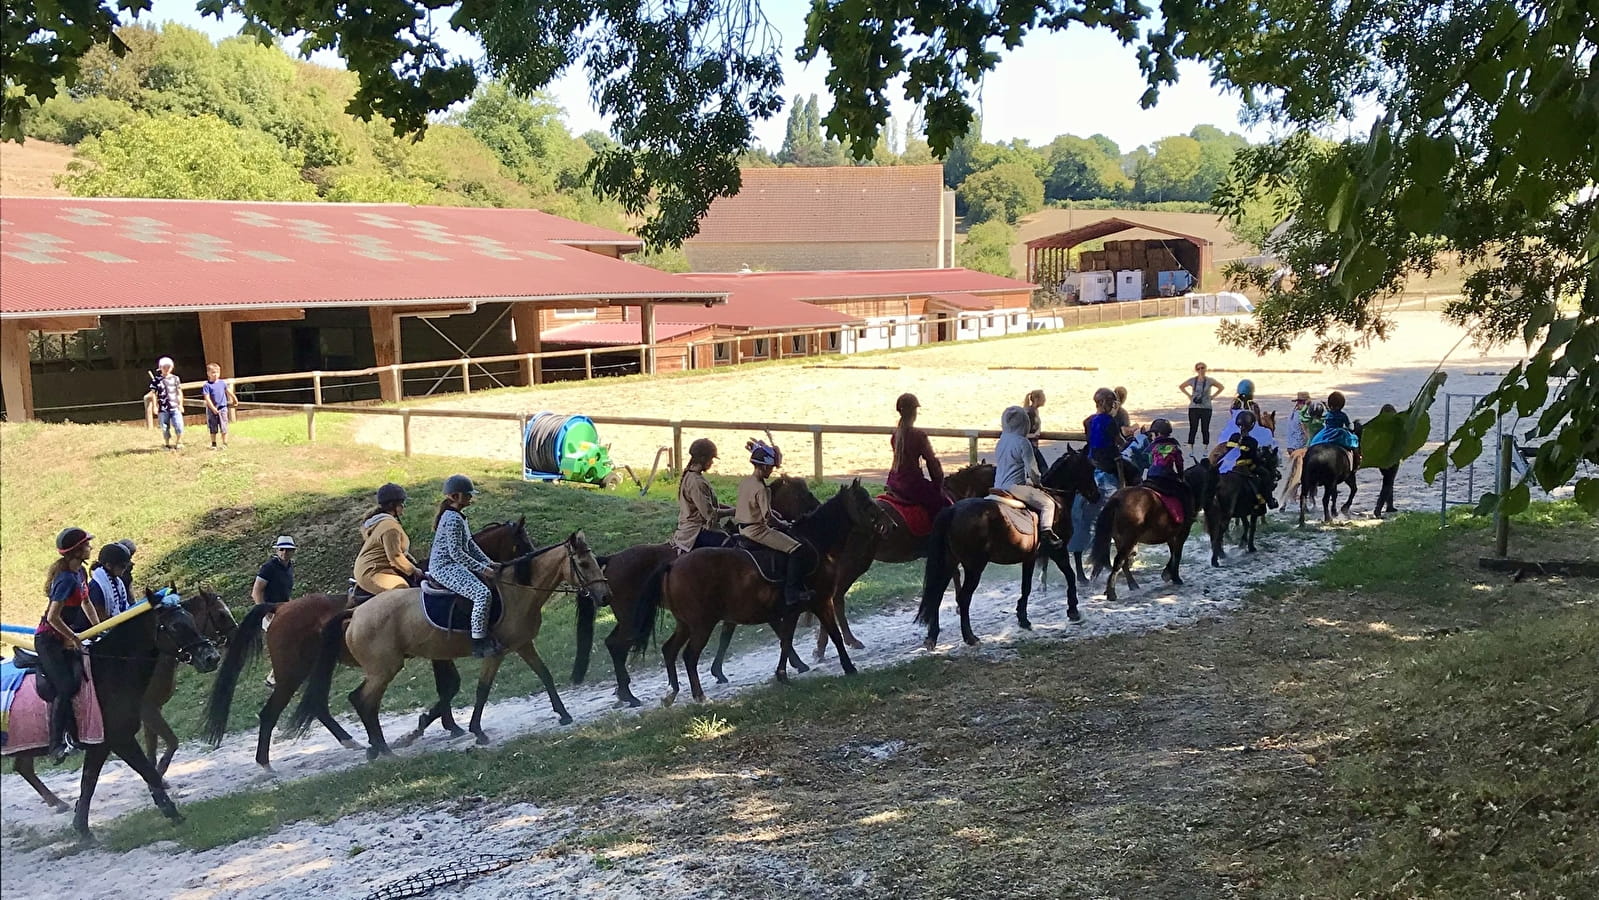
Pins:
x: 722, y: 352
x: 892, y: 329
x: 860, y: 334
x: 966, y: 325
x: 760, y: 347
x: 832, y: 340
x: 582, y: 312
x: 1016, y: 319
x: 798, y: 343
x: 989, y: 322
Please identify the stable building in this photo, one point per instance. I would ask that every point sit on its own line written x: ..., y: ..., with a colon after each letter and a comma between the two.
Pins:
x: 94, y: 291
x: 1167, y: 264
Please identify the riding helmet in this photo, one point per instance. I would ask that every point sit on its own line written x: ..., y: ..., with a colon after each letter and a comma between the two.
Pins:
x: 459, y: 484
x: 764, y: 454
x: 1160, y: 426
x: 390, y: 493
x: 71, y: 539
x: 1246, y: 388
x: 702, y: 448
x: 115, y: 555
x: 129, y: 545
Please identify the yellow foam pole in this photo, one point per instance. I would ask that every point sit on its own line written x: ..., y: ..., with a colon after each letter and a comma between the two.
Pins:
x: 138, y: 609
x: 25, y: 641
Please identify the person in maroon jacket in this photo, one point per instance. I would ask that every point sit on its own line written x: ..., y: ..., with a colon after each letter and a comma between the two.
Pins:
x: 912, y: 450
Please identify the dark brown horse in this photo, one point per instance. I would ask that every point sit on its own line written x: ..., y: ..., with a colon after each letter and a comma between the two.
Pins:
x: 714, y: 585
x: 122, y: 661
x: 1137, y: 515
x: 217, y: 624
x: 1326, y: 466
x: 293, y: 642
x: 975, y: 532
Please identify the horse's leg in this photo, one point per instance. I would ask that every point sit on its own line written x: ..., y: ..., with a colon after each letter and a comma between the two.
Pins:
x: 158, y: 728
x: 669, y: 655
x: 23, y: 765
x: 1077, y: 558
x: 721, y: 651
x: 963, y: 598
x: 274, y: 706
x: 832, y: 630
x: 697, y: 640
x: 617, y: 644
x: 530, y: 655
x: 1250, y: 523
x: 1027, y: 589
x: 1063, y: 563
x: 1305, y: 487
x: 94, y: 758
x: 1354, y: 485
x: 130, y: 752
x: 447, y: 680
x: 785, y: 639
x: 485, y: 683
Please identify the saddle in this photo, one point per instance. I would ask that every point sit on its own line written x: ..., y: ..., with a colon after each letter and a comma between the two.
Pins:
x: 1016, y: 514
x: 917, y: 518
x: 1174, y: 495
x: 769, y: 564
x: 449, y: 611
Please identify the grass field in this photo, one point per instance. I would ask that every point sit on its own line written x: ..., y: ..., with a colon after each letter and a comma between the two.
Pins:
x: 1397, y: 724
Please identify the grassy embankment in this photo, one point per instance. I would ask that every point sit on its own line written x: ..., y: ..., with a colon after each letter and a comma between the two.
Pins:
x: 207, y: 518
x: 1398, y: 723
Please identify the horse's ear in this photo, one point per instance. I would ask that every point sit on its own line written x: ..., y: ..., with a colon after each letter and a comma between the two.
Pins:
x: 521, y: 521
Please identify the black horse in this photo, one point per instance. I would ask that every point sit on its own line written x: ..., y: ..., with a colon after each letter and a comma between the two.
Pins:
x: 122, y: 662
x: 1234, y: 496
x: 1327, y: 466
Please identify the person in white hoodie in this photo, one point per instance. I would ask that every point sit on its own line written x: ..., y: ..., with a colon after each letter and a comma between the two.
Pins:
x: 1016, y: 472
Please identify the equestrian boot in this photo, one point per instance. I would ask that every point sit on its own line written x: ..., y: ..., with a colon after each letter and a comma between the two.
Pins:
x: 1050, y: 539
x: 61, y: 743
x: 484, y: 647
x: 795, y: 594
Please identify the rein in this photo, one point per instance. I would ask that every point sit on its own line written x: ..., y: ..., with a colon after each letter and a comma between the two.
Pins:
x: 582, y: 588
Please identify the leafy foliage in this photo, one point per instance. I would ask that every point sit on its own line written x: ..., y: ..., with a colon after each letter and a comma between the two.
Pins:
x: 1003, y: 193
x: 987, y: 249
x: 187, y: 158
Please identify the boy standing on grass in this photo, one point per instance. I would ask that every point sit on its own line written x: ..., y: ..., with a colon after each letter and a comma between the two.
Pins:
x: 167, y: 390
x: 219, y: 403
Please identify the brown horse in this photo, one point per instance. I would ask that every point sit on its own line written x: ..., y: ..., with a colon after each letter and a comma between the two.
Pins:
x: 385, y: 631
x: 292, y: 644
x: 217, y: 624
x: 122, y: 661
x: 1137, y: 515
x: 975, y: 532
x: 714, y: 585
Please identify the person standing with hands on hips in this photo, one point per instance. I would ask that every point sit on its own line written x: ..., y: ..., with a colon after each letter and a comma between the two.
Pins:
x: 1201, y: 390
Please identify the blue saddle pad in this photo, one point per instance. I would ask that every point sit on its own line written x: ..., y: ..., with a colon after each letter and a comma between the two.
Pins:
x: 452, y: 612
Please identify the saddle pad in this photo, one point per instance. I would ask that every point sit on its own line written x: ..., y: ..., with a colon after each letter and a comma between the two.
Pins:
x: 769, y: 563
x: 447, y: 611
x: 1173, y: 506
x: 918, y: 520
x: 26, y: 724
x: 1021, y: 519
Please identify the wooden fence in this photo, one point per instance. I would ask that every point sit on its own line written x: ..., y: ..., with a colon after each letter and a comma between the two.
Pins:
x: 675, y: 426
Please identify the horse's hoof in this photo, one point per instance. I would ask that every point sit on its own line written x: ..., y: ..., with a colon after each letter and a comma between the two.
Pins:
x: 566, y: 718
x: 86, y: 838
x: 782, y: 676
x: 929, y: 644
x: 455, y: 731
x: 970, y: 639
x: 668, y: 699
x: 482, y: 738
x: 1073, y: 615
x: 60, y: 807
x: 818, y: 655
x: 699, y: 698
x: 720, y: 678
x: 1024, y: 623
x: 849, y: 669
x: 854, y: 643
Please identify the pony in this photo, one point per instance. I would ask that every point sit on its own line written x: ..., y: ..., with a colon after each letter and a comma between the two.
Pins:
x: 1326, y: 466
x: 122, y: 662
x: 1137, y: 515
x: 1233, y: 496
x: 975, y: 532
x: 380, y: 634
x: 292, y: 643
x: 216, y: 623
x: 713, y: 585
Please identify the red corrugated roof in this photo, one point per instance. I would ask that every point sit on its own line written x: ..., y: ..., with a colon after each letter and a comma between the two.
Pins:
x: 753, y: 305
x: 831, y: 204
x: 618, y: 333
x: 76, y: 256
x: 1065, y: 240
x: 845, y: 285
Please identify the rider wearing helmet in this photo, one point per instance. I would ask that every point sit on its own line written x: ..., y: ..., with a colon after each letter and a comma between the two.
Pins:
x: 912, y: 450
x: 1166, y: 466
x: 384, y: 562
x: 456, y: 562
x: 56, y: 640
x: 753, y: 513
x: 108, y: 586
x: 1243, y: 453
x: 1243, y: 402
x: 697, y: 509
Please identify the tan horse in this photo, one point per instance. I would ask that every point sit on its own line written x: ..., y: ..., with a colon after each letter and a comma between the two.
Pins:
x: 385, y: 631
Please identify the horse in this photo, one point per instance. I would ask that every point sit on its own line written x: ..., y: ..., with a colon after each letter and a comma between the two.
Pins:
x: 122, y: 662
x: 975, y: 532
x: 380, y: 634
x: 629, y: 570
x: 1326, y: 466
x: 1234, y: 496
x: 1137, y: 515
x: 719, y: 584
x: 292, y: 644
x: 216, y: 623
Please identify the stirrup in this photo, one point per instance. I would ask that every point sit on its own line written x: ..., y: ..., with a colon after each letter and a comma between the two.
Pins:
x: 485, y: 647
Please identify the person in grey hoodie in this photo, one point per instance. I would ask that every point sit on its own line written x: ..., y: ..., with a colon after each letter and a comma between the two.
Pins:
x: 1016, y: 472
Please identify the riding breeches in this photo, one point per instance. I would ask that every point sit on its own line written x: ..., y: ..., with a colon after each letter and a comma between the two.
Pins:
x: 63, y: 668
x: 1038, y: 500
x: 471, y: 587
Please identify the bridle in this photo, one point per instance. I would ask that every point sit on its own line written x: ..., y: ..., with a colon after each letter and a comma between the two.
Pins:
x: 184, y: 653
x: 584, y: 589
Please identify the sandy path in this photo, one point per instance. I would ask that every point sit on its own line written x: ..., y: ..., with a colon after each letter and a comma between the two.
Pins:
x: 960, y: 387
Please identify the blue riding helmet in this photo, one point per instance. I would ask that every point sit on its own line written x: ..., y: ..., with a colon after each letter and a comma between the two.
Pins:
x: 764, y: 454
x: 1246, y: 388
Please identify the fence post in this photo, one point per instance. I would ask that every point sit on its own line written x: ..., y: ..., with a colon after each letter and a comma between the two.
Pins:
x: 521, y: 435
x: 310, y: 422
x: 397, y: 382
x: 816, y: 451
x: 466, y: 375
x: 1502, y: 521
x: 316, y: 388
x: 644, y: 360
x: 405, y: 429
x: 689, y: 361
x: 677, y: 446
x: 588, y: 365
x: 971, y: 448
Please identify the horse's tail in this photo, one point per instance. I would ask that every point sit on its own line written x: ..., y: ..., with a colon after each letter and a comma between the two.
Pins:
x: 1104, y: 525
x: 585, y: 636
x: 649, y: 606
x: 314, y: 697
x: 243, y: 648
x: 939, y: 569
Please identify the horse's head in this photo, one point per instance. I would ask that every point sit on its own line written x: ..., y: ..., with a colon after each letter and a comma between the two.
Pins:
x: 584, y: 572
x: 212, y: 615
x: 1268, y: 420
x: 505, y: 540
x: 178, y: 635
x: 1073, y: 472
x: 971, y: 481
x: 862, y: 511
x: 792, y: 498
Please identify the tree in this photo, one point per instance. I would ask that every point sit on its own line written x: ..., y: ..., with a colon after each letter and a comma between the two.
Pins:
x: 180, y: 158
x: 1004, y: 193
x: 987, y: 248
x: 1079, y: 169
x: 1169, y: 174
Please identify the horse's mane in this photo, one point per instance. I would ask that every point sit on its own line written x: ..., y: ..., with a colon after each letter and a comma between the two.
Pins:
x: 828, y: 521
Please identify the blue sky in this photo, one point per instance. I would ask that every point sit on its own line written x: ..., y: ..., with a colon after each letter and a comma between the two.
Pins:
x: 1078, y: 82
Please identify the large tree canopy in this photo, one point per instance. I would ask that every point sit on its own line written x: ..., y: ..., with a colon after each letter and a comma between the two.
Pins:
x: 1485, y: 145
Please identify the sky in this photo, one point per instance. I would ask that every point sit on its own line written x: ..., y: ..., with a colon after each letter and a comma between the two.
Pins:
x: 1076, y: 82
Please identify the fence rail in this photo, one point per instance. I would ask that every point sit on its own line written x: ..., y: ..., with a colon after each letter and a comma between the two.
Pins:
x: 676, y: 426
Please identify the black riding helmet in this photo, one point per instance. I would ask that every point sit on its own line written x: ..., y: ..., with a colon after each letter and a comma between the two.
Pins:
x: 115, y: 555
x: 459, y: 484
x: 390, y: 493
